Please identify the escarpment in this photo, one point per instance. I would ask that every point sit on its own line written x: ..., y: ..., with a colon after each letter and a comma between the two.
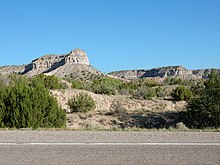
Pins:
x: 58, y: 64
x: 75, y: 64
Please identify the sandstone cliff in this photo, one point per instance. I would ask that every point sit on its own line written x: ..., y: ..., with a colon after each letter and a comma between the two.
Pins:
x: 76, y: 64
x: 169, y: 71
x: 60, y: 65
x: 73, y: 64
x: 6, y: 70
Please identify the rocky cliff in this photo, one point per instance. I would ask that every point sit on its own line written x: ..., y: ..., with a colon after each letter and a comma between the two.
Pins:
x: 65, y: 65
x: 76, y: 63
x: 6, y: 70
x: 60, y: 65
x: 169, y: 71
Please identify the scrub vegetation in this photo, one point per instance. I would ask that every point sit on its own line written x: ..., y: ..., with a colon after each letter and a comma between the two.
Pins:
x: 28, y: 103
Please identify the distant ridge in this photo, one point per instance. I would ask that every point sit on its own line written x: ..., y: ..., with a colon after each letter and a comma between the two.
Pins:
x: 76, y: 64
x: 168, y: 71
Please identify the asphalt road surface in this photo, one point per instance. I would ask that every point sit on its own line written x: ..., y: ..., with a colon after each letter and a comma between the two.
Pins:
x: 75, y: 147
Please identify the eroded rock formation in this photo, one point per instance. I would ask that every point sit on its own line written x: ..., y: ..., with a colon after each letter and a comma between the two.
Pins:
x: 162, y: 72
x: 51, y: 62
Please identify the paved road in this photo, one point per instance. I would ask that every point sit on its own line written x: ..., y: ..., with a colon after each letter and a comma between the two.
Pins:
x: 74, y: 147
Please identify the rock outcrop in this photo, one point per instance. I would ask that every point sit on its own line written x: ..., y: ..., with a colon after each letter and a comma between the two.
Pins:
x: 6, y: 70
x: 169, y: 71
x: 76, y: 65
x: 51, y: 64
x: 55, y: 63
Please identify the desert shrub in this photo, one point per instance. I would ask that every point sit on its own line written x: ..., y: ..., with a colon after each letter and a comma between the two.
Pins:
x: 149, y: 93
x: 148, y: 83
x: 63, y: 85
x: 128, y: 86
x: 144, y: 93
x: 173, y: 81
x: 138, y: 94
x: 49, y: 82
x: 123, y: 91
x: 81, y: 103
x: 118, y: 110
x: 24, y: 106
x: 105, y: 85
x: 162, y: 92
x: 181, y: 126
x: 204, y: 109
x: 197, y: 88
x: 77, y: 84
x: 181, y: 93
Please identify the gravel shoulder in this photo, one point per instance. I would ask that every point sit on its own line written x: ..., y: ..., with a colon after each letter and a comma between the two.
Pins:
x: 107, y: 136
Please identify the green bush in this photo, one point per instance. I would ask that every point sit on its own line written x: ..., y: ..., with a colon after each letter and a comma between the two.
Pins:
x: 144, y: 93
x: 24, y: 106
x: 49, y: 82
x: 162, y: 92
x: 204, y: 109
x: 181, y: 93
x: 128, y: 86
x: 147, y: 83
x: 77, y: 85
x: 173, y: 81
x: 81, y: 103
x: 105, y: 85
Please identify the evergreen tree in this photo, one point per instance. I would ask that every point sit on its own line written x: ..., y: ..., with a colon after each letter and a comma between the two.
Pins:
x: 25, y: 106
x: 204, y: 110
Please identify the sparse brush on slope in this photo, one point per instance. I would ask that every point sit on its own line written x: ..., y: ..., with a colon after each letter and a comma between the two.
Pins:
x: 81, y: 103
x: 49, y: 82
x: 182, y: 93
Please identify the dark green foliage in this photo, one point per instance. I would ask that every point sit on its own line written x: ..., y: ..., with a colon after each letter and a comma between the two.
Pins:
x: 49, y: 82
x: 128, y: 86
x: 141, y: 88
x: 174, y: 81
x: 144, y: 93
x: 197, y: 88
x: 204, y: 110
x: 81, y: 103
x: 181, y: 93
x: 147, y: 83
x: 77, y: 85
x: 105, y: 85
x: 162, y: 92
x: 23, y: 106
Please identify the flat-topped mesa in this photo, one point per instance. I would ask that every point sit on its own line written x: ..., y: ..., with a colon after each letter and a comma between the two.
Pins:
x: 169, y: 71
x: 50, y: 62
x: 77, y: 56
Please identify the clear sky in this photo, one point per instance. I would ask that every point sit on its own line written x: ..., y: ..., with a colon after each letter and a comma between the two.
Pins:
x: 116, y: 34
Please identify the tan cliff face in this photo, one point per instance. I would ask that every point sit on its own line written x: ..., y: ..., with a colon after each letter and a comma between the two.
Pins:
x: 163, y: 72
x: 50, y: 63
x: 76, y: 63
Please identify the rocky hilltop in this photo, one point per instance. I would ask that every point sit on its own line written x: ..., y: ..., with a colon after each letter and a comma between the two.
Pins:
x: 64, y: 65
x: 169, y: 71
x: 75, y: 64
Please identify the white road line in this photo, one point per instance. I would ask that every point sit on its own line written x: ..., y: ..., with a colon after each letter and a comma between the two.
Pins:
x: 112, y: 144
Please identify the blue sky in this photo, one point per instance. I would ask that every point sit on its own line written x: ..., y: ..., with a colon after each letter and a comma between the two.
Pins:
x: 116, y: 34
